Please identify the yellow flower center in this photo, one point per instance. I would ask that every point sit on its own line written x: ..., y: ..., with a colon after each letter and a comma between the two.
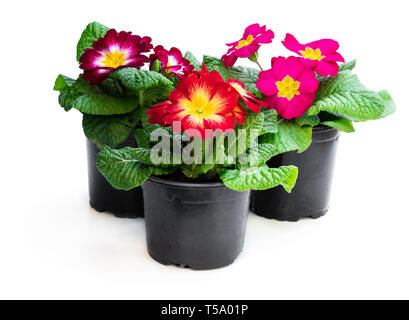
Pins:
x: 114, y: 60
x: 288, y: 88
x: 245, y: 42
x: 200, y: 106
x: 311, y: 54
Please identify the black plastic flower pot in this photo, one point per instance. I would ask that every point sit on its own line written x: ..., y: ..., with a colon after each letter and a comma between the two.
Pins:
x: 103, y: 197
x: 195, y: 225
x: 311, y: 194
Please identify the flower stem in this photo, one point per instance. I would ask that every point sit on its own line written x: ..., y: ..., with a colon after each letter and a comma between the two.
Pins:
x: 259, y: 65
x: 254, y: 58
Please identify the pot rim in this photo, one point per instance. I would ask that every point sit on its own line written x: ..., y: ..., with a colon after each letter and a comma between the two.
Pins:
x: 324, y: 133
x: 322, y: 128
x: 184, y: 184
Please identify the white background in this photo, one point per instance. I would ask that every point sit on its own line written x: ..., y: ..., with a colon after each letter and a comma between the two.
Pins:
x: 54, y: 246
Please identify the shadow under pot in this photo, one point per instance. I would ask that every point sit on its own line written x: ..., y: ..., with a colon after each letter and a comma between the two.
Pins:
x: 311, y: 194
x: 194, y: 225
x: 103, y: 197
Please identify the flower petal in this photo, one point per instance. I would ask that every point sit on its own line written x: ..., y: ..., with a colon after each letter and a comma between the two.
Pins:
x: 252, y: 106
x: 266, y: 83
x: 229, y: 60
x: 279, y: 67
x: 91, y: 59
x: 246, y: 51
x: 253, y: 30
x: 157, y: 113
x: 266, y: 37
x: 239, y: 114
x: 327, y: 68
x: 334, y: 57
x: 292, y: 44
x: 308, y: 82
x: 96, y: 76
x: 294, y: 67
x: 328, y: 46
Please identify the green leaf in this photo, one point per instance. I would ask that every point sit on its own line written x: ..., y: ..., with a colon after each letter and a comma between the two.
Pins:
x: 121, y: 168
x: 92, y: 100
x: 340, y: 124
x: 111, y: 87
x: 175, y: 80
x: 308, y: 121
x: 248, y: 76
x: 108, y: 130
x: 193, y: 61
x: 148, y: 86
x: 270, y: 121
x: 291, y: 136
x: 143, y: 155
x: 350, y: 65
x: 67, y: 93
x: 249, y: 131
x: 92, y: 33
x: 390, y: 106
x: 259, y: 178
x: 258, y: 155
x: 142, y: 137
x: 216, y: 150
x: 158, y: 171
x: 345, y: 96
x: 63, y: 82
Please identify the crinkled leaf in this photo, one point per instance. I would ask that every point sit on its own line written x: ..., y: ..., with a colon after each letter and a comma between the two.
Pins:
x: 215, y: 147
x: 193, y: 61
x: 63, y: 82
x: 142, y: 155
x: 345, y: 96
x: 308, y: 121
x: 247, y: 132
x: 340, y: 124
x: 92, y: 33
x: 92, y: 100
x: 158, y: 171
x: 111, y: 87
x: 68, y: 94
x: 350, y: 65
x: 289, y: 137
x: 175, y: 80
x: 142, y: 137
x: 150, y: 87
x: 257, y: 155
x: 108, y: 130
x: 248, y: 76
x: 259, y: 178
x: 390, y: 106
x: 270, y: 121
x: 121, y: 168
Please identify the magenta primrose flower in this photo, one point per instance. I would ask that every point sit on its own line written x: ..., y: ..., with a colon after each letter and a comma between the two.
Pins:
x: 320, y: 55
x: 253, y: 37
x: 289, y: 86
x: 114, y: 51
x: 172, y: 61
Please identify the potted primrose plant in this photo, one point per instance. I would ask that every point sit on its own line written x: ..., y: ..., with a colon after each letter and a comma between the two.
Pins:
x: 198, y: 161
x: 315, y: 98
x: 111, y: 107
